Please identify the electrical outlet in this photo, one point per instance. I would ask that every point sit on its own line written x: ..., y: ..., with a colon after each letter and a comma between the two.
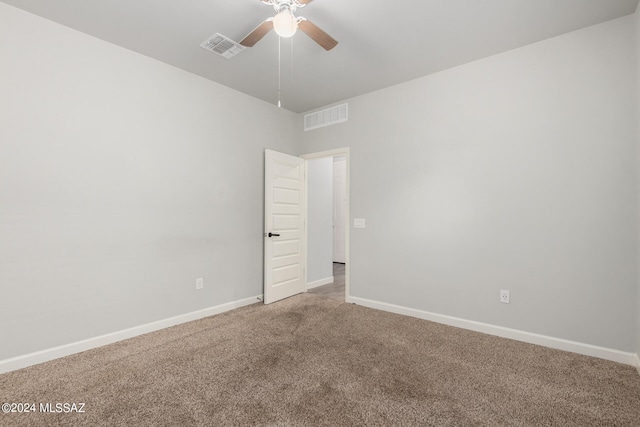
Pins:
x: 504, y: 296
x: 199, y: 283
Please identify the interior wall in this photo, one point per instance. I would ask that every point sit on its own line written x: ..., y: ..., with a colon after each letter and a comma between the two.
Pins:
x: 517, y: 172
x: 122, y: 180
x: 320, y: 219
x: 637, y: 22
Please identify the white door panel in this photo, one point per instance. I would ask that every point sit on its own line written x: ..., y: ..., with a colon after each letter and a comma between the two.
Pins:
x: 284, y: 258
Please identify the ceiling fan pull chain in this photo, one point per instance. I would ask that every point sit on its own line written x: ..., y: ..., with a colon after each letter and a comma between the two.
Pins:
x: 279, y: 71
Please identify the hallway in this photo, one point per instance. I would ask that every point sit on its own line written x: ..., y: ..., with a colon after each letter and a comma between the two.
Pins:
x: 333, y: 290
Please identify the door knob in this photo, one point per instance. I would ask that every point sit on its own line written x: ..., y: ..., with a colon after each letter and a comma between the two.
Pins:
x: 273, y: 235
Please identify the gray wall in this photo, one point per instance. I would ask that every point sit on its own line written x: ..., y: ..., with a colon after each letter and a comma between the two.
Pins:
x: 122, y: 180
x: 517, y: 172
x: 637, y: 22
x: 320, y: 219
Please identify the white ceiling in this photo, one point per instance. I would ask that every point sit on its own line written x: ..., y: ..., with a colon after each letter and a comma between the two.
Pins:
x: 380, y: 43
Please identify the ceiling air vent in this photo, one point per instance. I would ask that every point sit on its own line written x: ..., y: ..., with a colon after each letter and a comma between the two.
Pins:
x: 326, y: 117
x: 222, y: 46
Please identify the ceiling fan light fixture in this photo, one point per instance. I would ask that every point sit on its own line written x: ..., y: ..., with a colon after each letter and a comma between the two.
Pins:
x: 284, y: 23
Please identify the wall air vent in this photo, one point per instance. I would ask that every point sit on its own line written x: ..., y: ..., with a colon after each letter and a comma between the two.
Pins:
x: 326, y: 117
x: 222, y: 46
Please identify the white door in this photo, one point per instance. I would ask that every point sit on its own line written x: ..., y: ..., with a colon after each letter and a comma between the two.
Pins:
x: 284, y: 235
x: 339, y: 208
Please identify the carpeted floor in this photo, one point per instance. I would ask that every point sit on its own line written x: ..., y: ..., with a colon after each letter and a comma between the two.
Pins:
x: 312, y: 361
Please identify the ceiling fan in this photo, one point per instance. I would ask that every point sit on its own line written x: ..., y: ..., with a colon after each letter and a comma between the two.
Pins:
x: 285, y: 24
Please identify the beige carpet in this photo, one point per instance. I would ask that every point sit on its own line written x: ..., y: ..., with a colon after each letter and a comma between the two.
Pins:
x: 315, y: 361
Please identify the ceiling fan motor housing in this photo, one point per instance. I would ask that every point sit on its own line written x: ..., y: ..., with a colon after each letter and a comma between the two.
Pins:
x: 280, y: 5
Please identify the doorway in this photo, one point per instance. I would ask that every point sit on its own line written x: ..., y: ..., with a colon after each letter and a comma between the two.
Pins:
x: 328, y: 223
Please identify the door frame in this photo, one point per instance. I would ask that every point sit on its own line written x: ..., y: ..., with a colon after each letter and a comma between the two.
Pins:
x: 345, y: 151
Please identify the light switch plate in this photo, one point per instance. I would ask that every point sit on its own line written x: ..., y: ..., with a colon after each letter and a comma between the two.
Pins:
x: 359, y: 223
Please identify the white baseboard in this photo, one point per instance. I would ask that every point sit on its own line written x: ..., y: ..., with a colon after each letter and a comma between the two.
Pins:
x: 514, y: 334
x: 638, y: 363
x: 35, y: 358
x: 320, y: 282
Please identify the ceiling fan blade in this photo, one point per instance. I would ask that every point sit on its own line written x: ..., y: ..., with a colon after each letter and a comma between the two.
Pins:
x: 258, y: 33
x: 319, y: 36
